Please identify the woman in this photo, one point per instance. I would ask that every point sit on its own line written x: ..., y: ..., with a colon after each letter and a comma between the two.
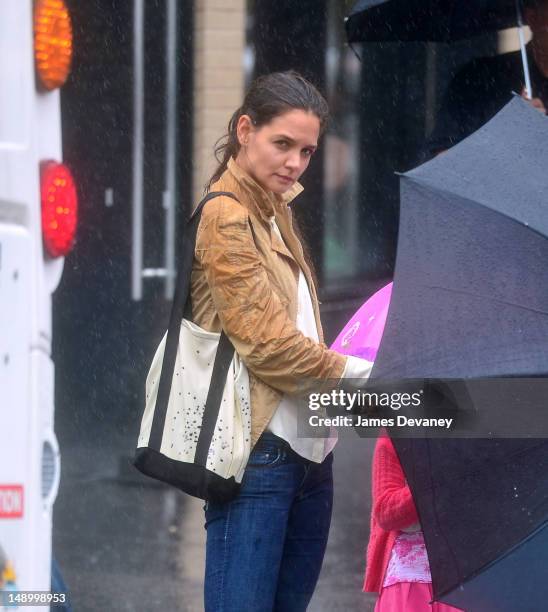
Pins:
x: 251, y: 277
x: 397, y: 562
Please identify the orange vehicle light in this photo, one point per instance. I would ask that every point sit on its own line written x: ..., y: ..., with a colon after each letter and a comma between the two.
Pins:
x: 59, y: 208
x: 52, y: 42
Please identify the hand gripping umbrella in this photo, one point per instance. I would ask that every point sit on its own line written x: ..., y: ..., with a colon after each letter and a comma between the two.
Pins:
x: 434, y: 20
x: 470, y: 300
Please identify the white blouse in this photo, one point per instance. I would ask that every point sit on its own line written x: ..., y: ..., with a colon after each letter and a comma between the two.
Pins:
x: 284, y: 420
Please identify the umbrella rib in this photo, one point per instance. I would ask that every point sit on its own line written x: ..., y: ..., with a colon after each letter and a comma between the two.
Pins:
x: 506, y: 302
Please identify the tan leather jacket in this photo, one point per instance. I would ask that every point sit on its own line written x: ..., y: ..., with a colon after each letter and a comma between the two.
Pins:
x: 244, y: 280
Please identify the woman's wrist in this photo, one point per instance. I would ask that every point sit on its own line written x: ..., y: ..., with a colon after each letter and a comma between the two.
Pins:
x: 356, y: 371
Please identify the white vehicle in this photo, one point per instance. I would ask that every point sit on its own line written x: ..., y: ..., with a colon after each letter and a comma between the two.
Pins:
x: 38, y: 209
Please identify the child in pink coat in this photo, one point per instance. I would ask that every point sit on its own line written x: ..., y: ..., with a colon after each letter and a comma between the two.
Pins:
x: 397, y: 562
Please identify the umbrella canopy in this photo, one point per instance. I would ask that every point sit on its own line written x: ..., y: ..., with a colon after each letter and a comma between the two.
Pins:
x: 483, y: 508
x: 470, y: 299
x: 362, y: 335
x: 434, y: 20
x: 470, y: 295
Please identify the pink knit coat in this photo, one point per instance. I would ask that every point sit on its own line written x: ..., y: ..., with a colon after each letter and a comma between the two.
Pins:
x: 393, y: 509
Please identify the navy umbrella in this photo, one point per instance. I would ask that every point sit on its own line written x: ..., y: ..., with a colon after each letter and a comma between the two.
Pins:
x: 470, y: 295
x: 434, y: 20
x: 470, y: 300
x: 483, y: 508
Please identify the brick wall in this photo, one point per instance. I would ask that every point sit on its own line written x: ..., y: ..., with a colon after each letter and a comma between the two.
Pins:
x: 219, y: 38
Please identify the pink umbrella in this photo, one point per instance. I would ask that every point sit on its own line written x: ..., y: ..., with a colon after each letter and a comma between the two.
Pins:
x: 362, y: 335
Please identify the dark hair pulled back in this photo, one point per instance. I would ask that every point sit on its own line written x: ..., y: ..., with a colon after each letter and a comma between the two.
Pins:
x: 268, y: 97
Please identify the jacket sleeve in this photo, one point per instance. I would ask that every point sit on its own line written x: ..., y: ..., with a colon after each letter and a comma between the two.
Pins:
x: 393, y: 506
x: 251, y: 313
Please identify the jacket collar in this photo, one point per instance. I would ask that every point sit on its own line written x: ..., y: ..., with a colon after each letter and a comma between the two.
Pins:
x: 267, y: 202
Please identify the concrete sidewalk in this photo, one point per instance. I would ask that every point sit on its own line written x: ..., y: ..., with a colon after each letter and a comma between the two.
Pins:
x: 125, y: 544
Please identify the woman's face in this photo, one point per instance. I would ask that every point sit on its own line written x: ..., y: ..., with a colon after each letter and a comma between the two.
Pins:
x: 277, y: 153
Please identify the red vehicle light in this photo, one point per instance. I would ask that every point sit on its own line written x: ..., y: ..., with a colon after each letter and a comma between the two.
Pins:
x: 59, y: 208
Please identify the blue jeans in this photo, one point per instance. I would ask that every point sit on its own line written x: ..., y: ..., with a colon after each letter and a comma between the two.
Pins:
x: 265, y: 548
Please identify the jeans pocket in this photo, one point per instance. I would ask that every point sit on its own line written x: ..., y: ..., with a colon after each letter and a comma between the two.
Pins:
x: 266, y: 455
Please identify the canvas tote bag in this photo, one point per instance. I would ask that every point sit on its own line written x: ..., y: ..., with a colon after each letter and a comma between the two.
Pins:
x: 196, y: 427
